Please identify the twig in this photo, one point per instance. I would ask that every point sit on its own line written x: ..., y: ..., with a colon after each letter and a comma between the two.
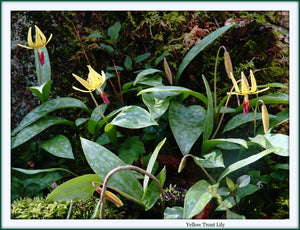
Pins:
x: 70, y: 209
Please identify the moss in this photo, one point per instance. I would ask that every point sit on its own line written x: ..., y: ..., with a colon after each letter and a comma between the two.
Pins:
x: 39, y: 208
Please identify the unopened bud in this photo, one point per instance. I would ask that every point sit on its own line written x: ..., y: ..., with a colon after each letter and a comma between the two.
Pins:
x: 111, y: 197
x: 265, y: 118
x: 168, y: 71
x: 182, y: 164
x: 228, y: 64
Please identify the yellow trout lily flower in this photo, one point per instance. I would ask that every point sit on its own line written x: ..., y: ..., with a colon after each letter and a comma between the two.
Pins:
x: 93, y: 82
x: 245, y: 89
x: 40, y: 41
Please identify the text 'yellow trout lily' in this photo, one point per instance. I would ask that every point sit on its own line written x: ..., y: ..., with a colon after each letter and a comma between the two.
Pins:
x: 245, y: 89
x: 93, y: 82
x: 40, y: 41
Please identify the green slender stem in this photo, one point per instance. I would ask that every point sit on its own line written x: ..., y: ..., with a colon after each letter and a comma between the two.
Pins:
x: 219, y: 125
x: 254, y: 131
x: 215, y: 78
x: 203, y: 169
x: 98, y: 108
x: 120, y: 168
x: 40, y: 71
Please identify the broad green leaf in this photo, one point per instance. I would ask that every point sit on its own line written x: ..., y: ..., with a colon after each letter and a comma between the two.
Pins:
x: 157, y: 107
x: 152, y: 192
x: 142, y: 57
x: 131, y: 149
x: 59, y: 146
x: 161, y: 57
x: 104, y: 139
x: 198, y: 48
x: 152, y: 162
x: 113, y: 31
x: 241, y: 119
x: 96, y: 115
x: 270, y: 140
x: 111, y: 132
x: 37, y: 127
x: 186, y: 124
x: 273, y: 85
x: 43, y: 72
x: 173, y: 213
x: 145, y: 73
x: 243, y: 181
x: 151, y: 80
x: 133, y: 117
x: 242, y: 163
x: 214, y: 159
x: 47, y: 107
x: 77, y: 188
x: 128, y: 62
x: 27, y: 183
x: 197, y: 197
x: 209, y: 118
x: 42, y: 92
x: 102, y: 161
x: 108, y: 48
x: 80, y: 121
x: 177, y: 89
x: 95, y: 35
x: 210, y: 144
x: 278, y: 140
x: 241, y: 192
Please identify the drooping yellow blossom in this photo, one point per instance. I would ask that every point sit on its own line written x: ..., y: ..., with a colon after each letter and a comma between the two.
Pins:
x: 40, y: 40
x: 245, y: 89
x: 93, y: 82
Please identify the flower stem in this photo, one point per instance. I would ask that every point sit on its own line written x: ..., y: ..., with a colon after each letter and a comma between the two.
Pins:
x: 98, y: 107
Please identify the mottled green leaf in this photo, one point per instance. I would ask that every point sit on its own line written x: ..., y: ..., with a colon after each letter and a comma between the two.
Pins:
x: 113, y: 31
x: 35, y: 128
x: 47, y: 107
x: 209, y: 118
x: 102, y: 161
x: 173, y: 213
x: 42, y: 92
x: 157, y: 107
x: 152, y: 192
x: 214, y: 159
x: 197, y: 197
x: 210, y: 144
x: 142, y: 57
x: 144, y: 73
x: 59, y: 146
x: 128, y: 62
x: 133, y: 117
x: 242, y: 163
x: 186, y: 124
x: 175, y: 89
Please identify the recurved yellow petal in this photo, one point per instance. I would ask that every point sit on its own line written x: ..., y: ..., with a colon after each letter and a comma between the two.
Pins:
x: 83, y: 82
x: 29, y: 39
x: 253, y: 83
x: 234, y: 83
x: 245, y: 85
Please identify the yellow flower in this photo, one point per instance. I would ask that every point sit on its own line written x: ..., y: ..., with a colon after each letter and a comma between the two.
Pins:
x: 93, y: 82
x: 40, y: 40
x: 245, y: 89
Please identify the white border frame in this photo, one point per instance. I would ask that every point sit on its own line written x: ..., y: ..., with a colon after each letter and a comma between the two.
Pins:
x: 293, y: 7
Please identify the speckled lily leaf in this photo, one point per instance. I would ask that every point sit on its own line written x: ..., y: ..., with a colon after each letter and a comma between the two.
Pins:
x: 133, y: 117
x: 156, y: 106
x: 59, y: 146
x: 145, y: 73
x: 210, y: 144
x: 196, y: 199
x: 186, y: 124
x: 47, y: 107
x: 37, y: 127
x: 102, y: 161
